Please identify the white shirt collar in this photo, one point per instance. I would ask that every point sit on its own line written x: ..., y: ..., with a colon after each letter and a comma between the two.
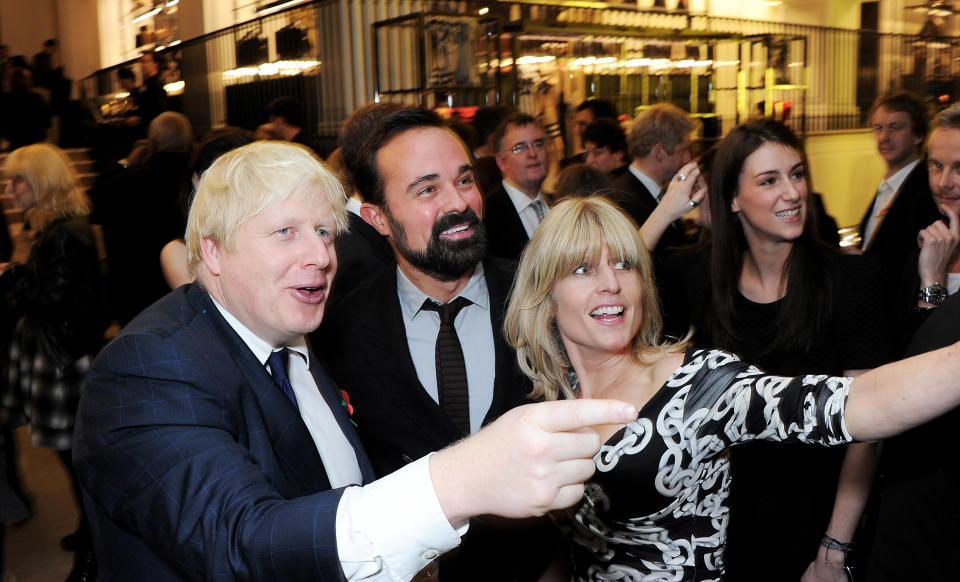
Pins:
x: 353, y: 205
x: 897, y: 180
x: 646, y: 180
x: 412, y: 298
x: 519, y: 199
x: 261, y: 349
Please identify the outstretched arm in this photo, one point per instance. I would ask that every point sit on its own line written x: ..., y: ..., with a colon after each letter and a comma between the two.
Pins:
x: 893, y: 398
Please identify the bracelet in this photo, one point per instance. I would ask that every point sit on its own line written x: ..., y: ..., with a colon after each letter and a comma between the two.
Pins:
x: 832, y: 544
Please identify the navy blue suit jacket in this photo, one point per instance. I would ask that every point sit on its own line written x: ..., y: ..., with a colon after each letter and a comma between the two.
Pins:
x: 194, y: 465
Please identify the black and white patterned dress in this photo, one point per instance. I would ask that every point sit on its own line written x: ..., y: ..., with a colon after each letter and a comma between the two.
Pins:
x: 656, y: 508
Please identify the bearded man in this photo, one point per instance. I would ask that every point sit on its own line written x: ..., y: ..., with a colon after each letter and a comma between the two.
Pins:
x: 418, y: 347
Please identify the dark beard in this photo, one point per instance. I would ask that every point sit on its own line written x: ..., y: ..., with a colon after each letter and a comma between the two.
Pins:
x: 444, y: 260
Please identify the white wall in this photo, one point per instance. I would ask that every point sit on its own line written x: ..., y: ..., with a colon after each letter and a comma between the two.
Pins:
x: 217, y: 14
x: 79, y: 36
x: 24, y: 25
x: 846, y: 168
x: 836, y: 13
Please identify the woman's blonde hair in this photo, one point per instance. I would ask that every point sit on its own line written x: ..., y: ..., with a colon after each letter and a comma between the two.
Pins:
x: 48, y: 172
x: 574, y: 233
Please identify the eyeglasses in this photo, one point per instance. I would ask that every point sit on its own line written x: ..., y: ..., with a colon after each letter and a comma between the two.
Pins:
x: 523, y: 147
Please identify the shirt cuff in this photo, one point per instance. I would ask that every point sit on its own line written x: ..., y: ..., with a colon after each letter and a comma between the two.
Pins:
x: 394, y: 527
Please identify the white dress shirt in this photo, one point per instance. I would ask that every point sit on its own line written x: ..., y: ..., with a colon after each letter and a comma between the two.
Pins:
x: 353, y: 205
x: 651, y: 184
x: 387, y: 530
x: 524, y: 205
x: 886, y: 192
x: 474, y: 331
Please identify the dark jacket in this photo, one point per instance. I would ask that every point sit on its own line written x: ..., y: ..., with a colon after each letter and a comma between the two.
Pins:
x: 139, y: 210
x: 506, y: 235
x: 911, y: 211
x: 634, y: 198
x: 59, y: 290
x: 365, y: 342
x: 194, y: 466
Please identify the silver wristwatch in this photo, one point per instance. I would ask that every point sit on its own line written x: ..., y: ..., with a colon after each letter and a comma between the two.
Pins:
x: 934, y: 294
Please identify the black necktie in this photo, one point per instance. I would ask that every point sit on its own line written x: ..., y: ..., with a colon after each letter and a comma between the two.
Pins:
x: 451, y: 370
x: 278, y: 369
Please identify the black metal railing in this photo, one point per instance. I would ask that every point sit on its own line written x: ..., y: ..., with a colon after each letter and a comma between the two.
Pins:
x: 231, y: 74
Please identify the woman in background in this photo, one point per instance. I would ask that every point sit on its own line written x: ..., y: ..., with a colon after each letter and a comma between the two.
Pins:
x: 59, y: 296
x: 770, y: 291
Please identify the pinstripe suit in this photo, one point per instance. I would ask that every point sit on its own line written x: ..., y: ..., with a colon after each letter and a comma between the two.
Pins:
x: 194, y: 465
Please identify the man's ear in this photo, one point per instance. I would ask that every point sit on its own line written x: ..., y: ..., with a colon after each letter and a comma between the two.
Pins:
x: 375, y: 217
x: 659, y: 152
x: 210, y: 251
x: 501, y: 161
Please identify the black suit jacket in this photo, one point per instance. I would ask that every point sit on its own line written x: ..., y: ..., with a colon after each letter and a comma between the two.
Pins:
x: 365, y: 343
x: 194, y: 465
x: 505, y: 231
x: 912, y: 210
x: 139, y: 209
x: 639, y: 203
x: 488, y: 174
x: 916, y: 534
x: 361, y: 253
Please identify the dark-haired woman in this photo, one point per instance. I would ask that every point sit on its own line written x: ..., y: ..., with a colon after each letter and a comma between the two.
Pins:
x: 773, y: 293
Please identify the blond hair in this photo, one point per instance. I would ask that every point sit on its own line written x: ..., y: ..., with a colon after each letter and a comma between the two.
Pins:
x: 48, y: 172
x: 574, y: 232
x: 243, y: 182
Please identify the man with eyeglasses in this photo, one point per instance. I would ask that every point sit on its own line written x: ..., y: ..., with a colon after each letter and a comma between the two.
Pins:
x: 515, y: 208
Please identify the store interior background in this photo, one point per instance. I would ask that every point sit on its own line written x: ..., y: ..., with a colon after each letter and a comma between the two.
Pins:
x: 95, y: 34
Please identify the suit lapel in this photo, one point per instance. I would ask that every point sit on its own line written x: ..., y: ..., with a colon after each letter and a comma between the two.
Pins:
x: 332, y: 398
x: 302, y: 468
x: 509, y: 386
x: 381, y: 331
x: 644, y: 196
x: 504, y: 217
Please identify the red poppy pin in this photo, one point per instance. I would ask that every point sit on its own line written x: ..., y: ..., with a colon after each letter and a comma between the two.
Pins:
x: 345, y: 403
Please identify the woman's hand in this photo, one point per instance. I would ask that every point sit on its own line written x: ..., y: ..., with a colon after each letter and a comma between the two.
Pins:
x: 938, y: 245
x: 827, y: 567
x: 684, y: 192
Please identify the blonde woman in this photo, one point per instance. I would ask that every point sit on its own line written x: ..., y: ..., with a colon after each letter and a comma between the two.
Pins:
x: 585, y: 321
x: 58, y: 296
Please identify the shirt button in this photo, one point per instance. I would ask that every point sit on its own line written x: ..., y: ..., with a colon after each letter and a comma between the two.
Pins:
x: 430, y: 554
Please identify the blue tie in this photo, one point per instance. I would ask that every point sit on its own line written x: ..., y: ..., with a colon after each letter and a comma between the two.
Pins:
x: 278, y: 368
